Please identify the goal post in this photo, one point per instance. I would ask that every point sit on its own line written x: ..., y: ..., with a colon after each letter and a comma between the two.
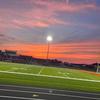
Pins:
x: 98, y: 68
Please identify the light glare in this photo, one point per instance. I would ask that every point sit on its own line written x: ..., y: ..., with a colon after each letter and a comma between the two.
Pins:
x: 49, y: 38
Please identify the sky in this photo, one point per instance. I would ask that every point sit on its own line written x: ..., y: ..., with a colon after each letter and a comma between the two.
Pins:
x: 73, y: 24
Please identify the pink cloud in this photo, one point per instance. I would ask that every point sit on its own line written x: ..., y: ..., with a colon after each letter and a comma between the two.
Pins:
x: 42, y: 17
x: 32, y: 18
x: 58, y: 51
x: 37, y: 23
x: 29, y: 23
x: 63, y: 6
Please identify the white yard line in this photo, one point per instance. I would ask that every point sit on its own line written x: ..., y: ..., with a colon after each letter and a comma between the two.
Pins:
x: 41, y: 70
x: 59, y: 77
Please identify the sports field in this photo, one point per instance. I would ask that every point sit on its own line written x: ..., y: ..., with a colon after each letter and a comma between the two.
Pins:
x: 49, y: 77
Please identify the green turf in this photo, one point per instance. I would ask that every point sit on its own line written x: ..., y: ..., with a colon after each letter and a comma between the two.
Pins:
x: 68, y: 73
x: 4, y: 66
x: 43, y: 81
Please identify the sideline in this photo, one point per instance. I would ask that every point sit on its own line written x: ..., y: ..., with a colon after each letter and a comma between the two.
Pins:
x: 59, y: 77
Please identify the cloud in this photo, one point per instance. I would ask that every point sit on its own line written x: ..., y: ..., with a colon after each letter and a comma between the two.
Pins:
x: 29, y: 21
x: 41, y: 14
x: 2, y: 35
x: 73, y: 52
x: 37, y: 23
x: 33, y: 18
x: 55, y: 6
x: 6, y: 39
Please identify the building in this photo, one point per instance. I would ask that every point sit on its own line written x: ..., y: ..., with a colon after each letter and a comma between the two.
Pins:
x: 0, y: 52
x: 7, y: 55
x: 10, y: 53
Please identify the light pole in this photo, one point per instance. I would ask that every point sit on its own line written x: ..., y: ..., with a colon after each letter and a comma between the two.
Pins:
x: 49, y: 39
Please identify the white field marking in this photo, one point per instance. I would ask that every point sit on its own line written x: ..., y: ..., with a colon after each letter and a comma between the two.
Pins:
x: 41, y: 70
x: 52, y: 94
x: 20, y: 98
x: 48, y: 89
x: 59, y: 72
x: 15, y: 68
x: 78, y: 79
x: 63, y: 73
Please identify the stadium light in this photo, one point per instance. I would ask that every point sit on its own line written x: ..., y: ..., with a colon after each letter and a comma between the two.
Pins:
x: 49, y: 39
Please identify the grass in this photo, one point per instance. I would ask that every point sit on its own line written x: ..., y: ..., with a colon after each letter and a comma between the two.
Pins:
x: 30, y: 79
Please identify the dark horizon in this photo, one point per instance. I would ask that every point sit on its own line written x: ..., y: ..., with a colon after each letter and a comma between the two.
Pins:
x: 15, y: 54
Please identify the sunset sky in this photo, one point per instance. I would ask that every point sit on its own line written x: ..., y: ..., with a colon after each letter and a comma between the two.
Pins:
x: 73, y: 24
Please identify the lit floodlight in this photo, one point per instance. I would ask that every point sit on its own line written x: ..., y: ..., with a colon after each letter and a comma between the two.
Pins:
x: 49, y: 38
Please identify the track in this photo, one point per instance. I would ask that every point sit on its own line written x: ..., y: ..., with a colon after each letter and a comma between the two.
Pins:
x: 11, y: 92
